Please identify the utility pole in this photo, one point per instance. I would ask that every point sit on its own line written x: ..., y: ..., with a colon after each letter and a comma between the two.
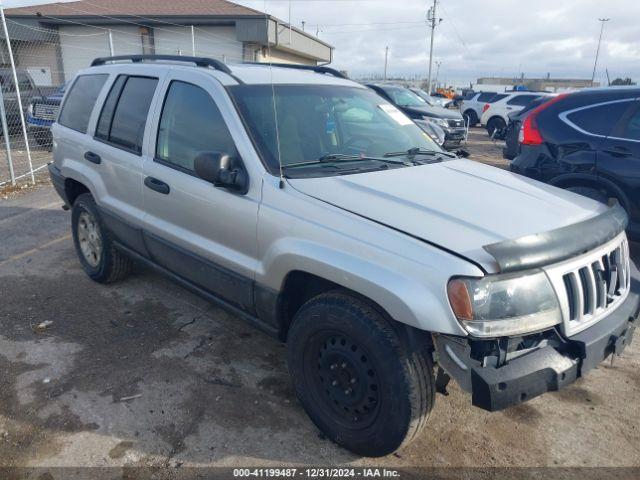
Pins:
x: 303, y: 24
x: 595, y: 65
x: 386, y: 62
x: 433, y: 22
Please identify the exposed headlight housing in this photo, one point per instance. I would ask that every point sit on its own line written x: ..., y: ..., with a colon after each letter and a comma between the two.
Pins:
x: 504, y: 305
x: 438, y: 121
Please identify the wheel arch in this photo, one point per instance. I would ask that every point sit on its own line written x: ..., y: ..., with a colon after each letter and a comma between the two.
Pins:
x: 73, y: 189
x: 591, y: 181
x: 301, y: 286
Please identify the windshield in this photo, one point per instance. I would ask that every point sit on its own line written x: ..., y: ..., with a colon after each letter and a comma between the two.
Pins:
x: 404, y: 97
x: 319, y: 121
x: 426, y: 97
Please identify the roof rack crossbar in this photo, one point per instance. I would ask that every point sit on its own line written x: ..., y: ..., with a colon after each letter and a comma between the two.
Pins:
x: 312, y: 68
x: 199, y: 61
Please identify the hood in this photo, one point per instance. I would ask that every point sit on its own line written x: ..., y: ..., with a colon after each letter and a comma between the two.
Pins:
x: 437, y: 112
x: 459, y: 205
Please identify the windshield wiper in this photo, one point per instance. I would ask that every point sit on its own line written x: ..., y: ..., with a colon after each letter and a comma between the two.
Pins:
x: 412, y: 152
x: 341, y: 157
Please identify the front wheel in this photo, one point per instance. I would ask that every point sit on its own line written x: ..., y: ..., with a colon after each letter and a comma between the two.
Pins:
x: 354, y: 376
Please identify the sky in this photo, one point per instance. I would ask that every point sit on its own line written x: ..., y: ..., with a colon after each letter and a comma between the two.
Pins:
x: 475, y: 38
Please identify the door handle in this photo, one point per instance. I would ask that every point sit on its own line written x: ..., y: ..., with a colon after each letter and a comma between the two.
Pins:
x: 618, y: 152
x: 157, y: 185
x: 92, y: 157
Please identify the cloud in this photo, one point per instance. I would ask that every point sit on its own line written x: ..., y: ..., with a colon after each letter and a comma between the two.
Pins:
x: 493, y: 37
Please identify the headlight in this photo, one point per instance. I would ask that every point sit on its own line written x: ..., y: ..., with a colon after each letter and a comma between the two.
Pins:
x: 30, y: 110
x: 438, y: 121
x: 504, y: 305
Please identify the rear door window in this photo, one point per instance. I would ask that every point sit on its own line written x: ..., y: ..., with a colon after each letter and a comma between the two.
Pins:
x: 497, y: 97
x: 485, y: 96
x: 599, y: 119
x: 522, y: 100
x: 123, y: 125
x: 80, y: 101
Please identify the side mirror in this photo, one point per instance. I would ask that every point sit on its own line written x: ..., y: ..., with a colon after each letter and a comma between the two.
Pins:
x: 222, y: 170
x: 463, y: 153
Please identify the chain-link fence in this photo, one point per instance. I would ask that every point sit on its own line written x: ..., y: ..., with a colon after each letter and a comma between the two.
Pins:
x: 36, y: 62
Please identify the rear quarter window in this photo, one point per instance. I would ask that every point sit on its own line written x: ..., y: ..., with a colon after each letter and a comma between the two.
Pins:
x: 80, y: 101
x: 599, y: 119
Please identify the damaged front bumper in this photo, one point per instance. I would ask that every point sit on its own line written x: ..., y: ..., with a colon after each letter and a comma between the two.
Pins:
x: 497, y: 380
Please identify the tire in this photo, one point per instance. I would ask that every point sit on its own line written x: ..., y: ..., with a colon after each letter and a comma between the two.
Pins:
x: 355, y: 378
x: 98, y: 256
x: 592, y: 193
x: 494, y: 124
x: 470, y: 118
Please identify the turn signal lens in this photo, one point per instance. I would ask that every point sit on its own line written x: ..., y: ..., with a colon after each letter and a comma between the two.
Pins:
x: 460, y: 299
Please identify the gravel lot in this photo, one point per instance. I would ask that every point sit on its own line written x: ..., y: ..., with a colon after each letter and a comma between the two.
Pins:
x: 143, y: 373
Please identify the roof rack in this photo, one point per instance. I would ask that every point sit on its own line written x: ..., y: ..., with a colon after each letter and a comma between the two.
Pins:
x: 317, y: 69
x: 199, y: 61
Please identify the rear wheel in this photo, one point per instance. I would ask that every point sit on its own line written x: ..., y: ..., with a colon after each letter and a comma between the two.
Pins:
x: 470, y: 118
x: 98, y: 255
x: 494, y: 124
x: 354, y: 376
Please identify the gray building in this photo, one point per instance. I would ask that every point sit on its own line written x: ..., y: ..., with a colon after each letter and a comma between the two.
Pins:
x: 547, y: 83
x: 56, y: 40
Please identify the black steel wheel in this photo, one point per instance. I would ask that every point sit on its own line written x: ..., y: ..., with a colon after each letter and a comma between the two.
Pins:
x: 355, y: 377
x: 340, y: 370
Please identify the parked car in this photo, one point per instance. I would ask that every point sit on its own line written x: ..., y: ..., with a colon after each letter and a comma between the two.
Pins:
x: 418, y: 109
x: 443, y: 99
x: 28, y: 90
x: 512, y: 134
x: 495, y: 113
x: 432, y: 100
x: 472, y: 108
x: 587, y: 142
x: 465, y: 94
x: 41, y: 113
x: 313, y: 208
x: 434, y: 131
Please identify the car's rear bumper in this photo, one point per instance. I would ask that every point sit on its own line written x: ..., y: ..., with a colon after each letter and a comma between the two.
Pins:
x: 58, y: 181
x: 548, y: 368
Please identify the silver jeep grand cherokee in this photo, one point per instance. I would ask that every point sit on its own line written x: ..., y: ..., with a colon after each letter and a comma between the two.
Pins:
x: 313, y: 208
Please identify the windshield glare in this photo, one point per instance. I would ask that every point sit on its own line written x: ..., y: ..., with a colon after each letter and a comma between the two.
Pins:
x: 405, y: 97
x: 317, y: 120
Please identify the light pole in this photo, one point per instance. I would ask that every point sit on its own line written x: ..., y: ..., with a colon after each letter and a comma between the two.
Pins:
x: 438, y: 63
x: 433, y: 22
x: 386, y: 62
x: 595, y: 64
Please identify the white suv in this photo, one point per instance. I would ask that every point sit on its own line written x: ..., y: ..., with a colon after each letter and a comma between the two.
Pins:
x: 495, y: 114
x: 471, y: 108
x: 311, y: 207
